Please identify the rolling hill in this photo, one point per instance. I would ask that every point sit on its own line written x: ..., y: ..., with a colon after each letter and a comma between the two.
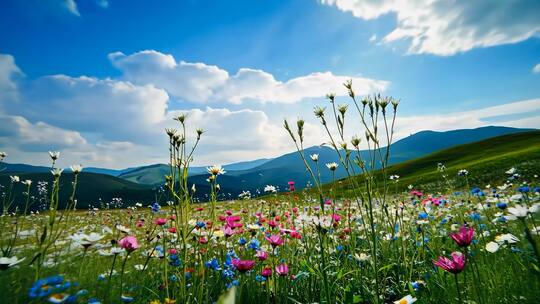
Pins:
x: 137, y: 184
x: 92, y: 188
x: 280, y: 170
x: 486, y: 160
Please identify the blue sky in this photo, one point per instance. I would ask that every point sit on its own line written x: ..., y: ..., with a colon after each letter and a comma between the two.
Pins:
x: 251, y: 62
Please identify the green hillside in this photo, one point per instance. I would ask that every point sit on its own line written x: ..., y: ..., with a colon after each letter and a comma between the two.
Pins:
x: 486, y: 161
x: 92, y: 188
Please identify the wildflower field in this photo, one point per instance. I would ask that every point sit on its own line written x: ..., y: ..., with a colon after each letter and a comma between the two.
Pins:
x: 368, y: 238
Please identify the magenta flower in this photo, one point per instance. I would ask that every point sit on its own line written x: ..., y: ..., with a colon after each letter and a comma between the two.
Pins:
x: 282, y: 269
x: 233, y: 221
x: 228, y: 231
x: 129, y: 243
x: 275, y: 240
x: 266, y: 272
x: 464, y: 237
x: 336, y: 217
x: 291, y: 186
x: 261, y: 255
x: 160, y: 221
x: 243, y: 265
x: 454, y: 265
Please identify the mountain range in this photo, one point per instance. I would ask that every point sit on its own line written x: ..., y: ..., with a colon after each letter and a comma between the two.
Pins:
x: 251, y: 175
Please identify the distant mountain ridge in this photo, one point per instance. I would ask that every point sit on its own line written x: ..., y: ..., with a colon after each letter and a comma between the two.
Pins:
x: 95, y: 187
x: 254, y: 175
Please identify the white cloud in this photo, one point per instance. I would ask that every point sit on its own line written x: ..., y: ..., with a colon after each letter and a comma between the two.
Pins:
x: 116, y: 110
x: 373, y: 38
x: 198, y: 82
x: 72, y: 7
x: 521, y: 114
x: 116, y: 123
x: 19, y: 132
x: 8, y: 70
x: 536, y: 69
x: 234, y: 135
x: 190, y: 81
x: 449, y: 27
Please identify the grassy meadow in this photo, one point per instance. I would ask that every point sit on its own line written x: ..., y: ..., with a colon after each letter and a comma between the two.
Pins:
x: 456, y: 226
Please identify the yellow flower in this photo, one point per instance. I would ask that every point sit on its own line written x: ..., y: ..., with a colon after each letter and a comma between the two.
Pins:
x: 155, y: 302
x: 218, y: 233
x: 170, y: 301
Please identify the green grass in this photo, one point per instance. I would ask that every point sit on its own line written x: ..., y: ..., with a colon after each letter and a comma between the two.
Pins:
x: 486, y: 161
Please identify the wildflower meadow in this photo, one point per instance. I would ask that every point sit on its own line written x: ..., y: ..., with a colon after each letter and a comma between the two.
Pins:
x: 380, y: 241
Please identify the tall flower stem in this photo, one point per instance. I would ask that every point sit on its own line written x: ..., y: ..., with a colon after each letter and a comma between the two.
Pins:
x: 122, y: 273
x: 110, y: 276
x: 457, y: 288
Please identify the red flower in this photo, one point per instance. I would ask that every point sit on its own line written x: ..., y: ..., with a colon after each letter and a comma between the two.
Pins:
x: 243, y: 265
x: 464, y: 237
x: 454, y: 265
x: 266, y: 272
x: 160, y: 221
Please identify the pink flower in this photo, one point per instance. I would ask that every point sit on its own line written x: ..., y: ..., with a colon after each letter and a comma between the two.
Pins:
x: 261, y: 255
x: 232, y: 221
x: 129, y: 243
x: 464, y: 237
x: 228, y: 231
x: 282, y: 269
x: 454, y: 265
x: 275, y: 240
x: 291, y: 186
x: 173, y: 251
x: 160, y: 221
x: 266, y: 272
x: 336, y: 217
x: 243, y: 265
x: 416, y: 193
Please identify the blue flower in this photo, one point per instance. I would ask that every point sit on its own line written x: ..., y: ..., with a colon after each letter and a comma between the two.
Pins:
x: 416, y: 285
x: 213, y: 264
x: 254, y: 244
x: 524, y: 189
x: 155, y: 207
x: 201, y: 224
x: 422, y: 215
x: 242, y: 241
x: 227, y: 273
x: 501, y: 205
x: 260, y: 278
x: 477, y: 192
x: 174, y: 260
x: 475, y: 216
x: 45, y: 287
